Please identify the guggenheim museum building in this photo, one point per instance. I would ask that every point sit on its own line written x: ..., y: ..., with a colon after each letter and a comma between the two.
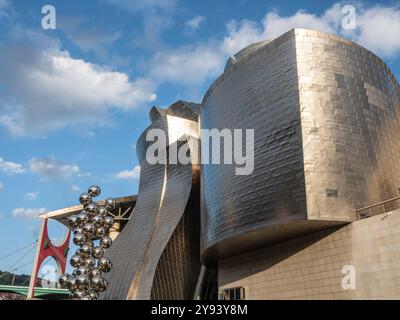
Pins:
x: 319, y: 215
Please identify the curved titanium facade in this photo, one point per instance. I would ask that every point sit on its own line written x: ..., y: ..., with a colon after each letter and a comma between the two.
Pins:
x: 326, y: 117
x: 158, y: 232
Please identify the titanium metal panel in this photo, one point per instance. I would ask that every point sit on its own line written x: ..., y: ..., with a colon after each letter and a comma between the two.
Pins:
x: 326, y: 117
x: 165, y: 192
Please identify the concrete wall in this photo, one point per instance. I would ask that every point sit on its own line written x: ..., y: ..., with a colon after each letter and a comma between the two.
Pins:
x: 310, y: 267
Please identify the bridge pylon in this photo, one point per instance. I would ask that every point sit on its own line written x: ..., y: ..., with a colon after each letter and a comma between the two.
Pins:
x: 44, y: 249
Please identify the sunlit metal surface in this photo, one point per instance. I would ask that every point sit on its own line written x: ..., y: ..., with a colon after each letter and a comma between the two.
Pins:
x: 326, y: 117
x: 164, y: 228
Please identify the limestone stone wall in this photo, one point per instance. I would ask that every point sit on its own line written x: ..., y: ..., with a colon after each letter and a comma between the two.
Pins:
x: 310, y: 267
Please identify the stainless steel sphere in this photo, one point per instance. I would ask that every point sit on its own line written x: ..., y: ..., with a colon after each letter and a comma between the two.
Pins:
x: 91, y: 209
x: 90, y: 244
x: 73, y: 221
x: 104, y: 264
x: 78, y: 294
x: 85, y: 250
x: 110, y: 204
x: 105, y: 242
x: 98, y: 252
x: 82, y: 218
x: 109, y: 221
x: 101, y: 210
x: 95, y: 272
x: 88, y: 229
x: 82, y: 271
x: 97, y: 220
x: 79, y: 239
x: 104, y: 285
x: 101, y: 232
x: 99, y: 284
x: 94, y: 295
x: 85, y: 199
x: 78, y: 230
x: 82, y: 282
x: 63, y: 280
x: 76, y: 261
x: 71, y: 284
x: 96, y: 283
x: 89, y: 262
x: 94, y: 191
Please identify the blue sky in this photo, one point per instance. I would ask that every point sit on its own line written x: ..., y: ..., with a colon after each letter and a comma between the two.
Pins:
x: 74, y: 100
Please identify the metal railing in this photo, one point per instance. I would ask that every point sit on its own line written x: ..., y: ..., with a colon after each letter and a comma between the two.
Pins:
x: 378, y: 208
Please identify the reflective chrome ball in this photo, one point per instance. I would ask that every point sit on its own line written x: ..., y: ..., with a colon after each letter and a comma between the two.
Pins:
x: 85, y: 250
x: 94, y: 295
x: 95, y: 272
x: 94, y: 191
x: 104, y: 285
x: 91, y: 209
x: 79, y: 239
x: 82, y: 271
x: 105, y: 242
x: 100, y: 232
x: 78, y: 294
x: 90, y: 244
x: 82, y: 283
x: 82, y: 218
x: 85, y: 199
x: 110, y: 204
x: 96, y: 283
x: 109, y: 221
x: 76, y: 261
x: 104, y: 264
x: 63, y: 280
x: 71, y: 284
x: 88, y: 228
x: 89, y: 262
x: 78, y: 230
x: 73, y: 221
x: 98, y: 252
x: 101, y: 210
x: 97, y: 220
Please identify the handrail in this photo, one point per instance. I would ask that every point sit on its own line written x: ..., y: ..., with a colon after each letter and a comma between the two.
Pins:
x: 369, y: 208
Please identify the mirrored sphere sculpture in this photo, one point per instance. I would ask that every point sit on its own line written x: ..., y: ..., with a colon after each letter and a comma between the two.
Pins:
x: 91, y: 229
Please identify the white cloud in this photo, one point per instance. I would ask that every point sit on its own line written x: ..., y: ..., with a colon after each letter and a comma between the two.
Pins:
x: 30, y: 196
x: 11, y: 167
x: 187, y: 66
x: 75, y: 188
x: 51, y: 168
x: 377, y: 27
x: 195, y: 23
x: 129, y: 174
x: 47, y: 89
x: 1, y: 186
x: 28, y: 213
